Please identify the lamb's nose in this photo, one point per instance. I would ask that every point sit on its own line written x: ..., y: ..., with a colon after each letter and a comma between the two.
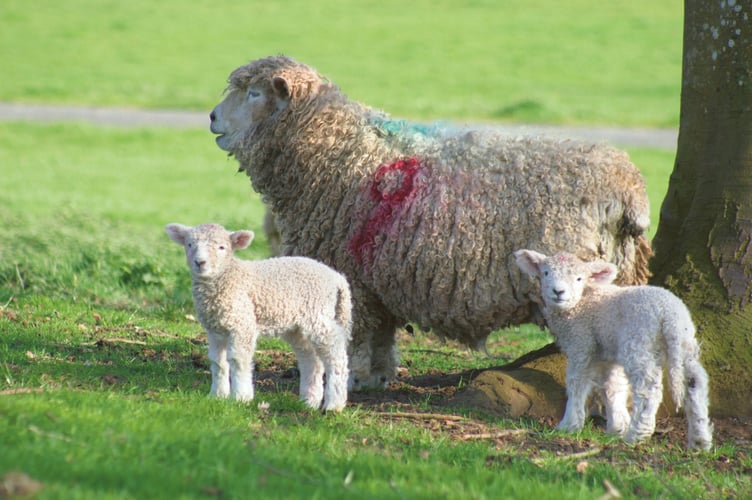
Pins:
x: 558, y: 292
x: 212, y: 116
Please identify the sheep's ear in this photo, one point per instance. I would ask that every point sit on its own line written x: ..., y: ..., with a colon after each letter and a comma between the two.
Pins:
x: 602, y: 273
x: 529, y: 261
x: 177, y: 232
x: 281, y: 88
x: 241, y: 239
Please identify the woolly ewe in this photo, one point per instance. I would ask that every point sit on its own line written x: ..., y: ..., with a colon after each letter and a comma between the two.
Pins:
x: 295, y: 298
x: 422, y: 220
x: 608, y: 331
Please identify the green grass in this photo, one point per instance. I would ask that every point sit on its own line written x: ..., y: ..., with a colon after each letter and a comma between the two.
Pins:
x: 549, y: 61
x: 104, y: 376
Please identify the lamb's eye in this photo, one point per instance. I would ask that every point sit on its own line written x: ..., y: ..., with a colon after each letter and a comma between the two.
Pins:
x: 579, y: 278
x: 221, y: 247
x: 253, y: 93
x: 545, y: 273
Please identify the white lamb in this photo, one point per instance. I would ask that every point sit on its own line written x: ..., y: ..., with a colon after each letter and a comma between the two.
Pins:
x: 606, y: 331
x: 298, y: 299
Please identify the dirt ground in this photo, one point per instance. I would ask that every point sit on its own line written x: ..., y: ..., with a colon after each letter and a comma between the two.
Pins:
x: 426, y: 400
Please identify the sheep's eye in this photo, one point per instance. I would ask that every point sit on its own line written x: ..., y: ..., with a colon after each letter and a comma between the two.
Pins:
x: 579, y: 278
x: 221, y: 247
x: 253, y: 93
x: 545, y: 273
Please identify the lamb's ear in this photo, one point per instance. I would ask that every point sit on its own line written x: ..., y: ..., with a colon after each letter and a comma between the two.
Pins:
x: 602, y: 273
x: 177, y: 232
x: 529, y: 261
x: 241, y: 239
x: 281, y: 88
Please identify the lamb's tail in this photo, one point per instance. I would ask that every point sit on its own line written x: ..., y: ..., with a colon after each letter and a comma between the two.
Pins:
x: 343, y: 309
x: 687, y: 378
x: 682, y: 352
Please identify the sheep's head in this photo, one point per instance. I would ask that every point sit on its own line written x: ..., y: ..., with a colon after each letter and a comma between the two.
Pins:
x: 208, y: 247
x: 563, y: 277
x: 257, y: 91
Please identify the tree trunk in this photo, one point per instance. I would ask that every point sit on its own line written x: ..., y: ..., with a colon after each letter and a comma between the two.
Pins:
x: 703, y: 244
x: 703, y: 250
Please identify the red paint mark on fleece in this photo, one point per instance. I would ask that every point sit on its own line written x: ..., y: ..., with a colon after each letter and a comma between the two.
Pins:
x: 388, y: 201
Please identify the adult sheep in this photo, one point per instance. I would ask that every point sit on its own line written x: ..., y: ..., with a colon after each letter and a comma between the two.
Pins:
x: 423, y: 220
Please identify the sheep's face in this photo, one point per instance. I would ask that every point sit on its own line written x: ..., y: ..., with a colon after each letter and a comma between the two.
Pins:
x: 238, y: 112
x: 563, y: 277
x: 257, y: 92
x: 208, y: 247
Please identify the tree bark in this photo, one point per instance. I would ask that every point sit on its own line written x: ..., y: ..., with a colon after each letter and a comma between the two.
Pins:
x: 703, y: 250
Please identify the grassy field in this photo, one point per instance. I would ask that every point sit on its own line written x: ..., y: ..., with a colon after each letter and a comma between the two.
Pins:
x: 547, y: 61
x: 105, y: 376
x: 103, y: 370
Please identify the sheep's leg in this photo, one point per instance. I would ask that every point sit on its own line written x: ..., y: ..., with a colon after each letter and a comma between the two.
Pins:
x: 385, y: 357
x: 334, y: 356
x: 373, y: 356
x: 220, y: 368
x: 240, y: 355
x: 579, y: 380
x: 311, y: 373
x: 616, y: 393
x: 647, y: 393
x: 700, y: 430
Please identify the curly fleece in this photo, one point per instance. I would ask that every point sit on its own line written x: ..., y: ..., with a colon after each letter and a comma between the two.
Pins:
x: 423, y: 220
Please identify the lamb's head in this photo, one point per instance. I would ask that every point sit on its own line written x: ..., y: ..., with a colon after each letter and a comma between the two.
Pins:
x: 563, y: 277
x: 258, y: 91
x: 208, y: 247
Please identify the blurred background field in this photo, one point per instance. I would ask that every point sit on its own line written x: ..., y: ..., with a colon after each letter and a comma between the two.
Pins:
x: 480, y: 60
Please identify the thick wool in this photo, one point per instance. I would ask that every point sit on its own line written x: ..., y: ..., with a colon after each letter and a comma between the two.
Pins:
x: 423, y: 220
x: 298, y: 299
x: 611, y: 335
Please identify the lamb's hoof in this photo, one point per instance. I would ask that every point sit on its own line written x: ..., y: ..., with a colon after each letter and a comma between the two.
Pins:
x: 243, y: 398
x: 568, y: 427
x: 702, y: 444
x: 333, y: 408
x: 633, y: 439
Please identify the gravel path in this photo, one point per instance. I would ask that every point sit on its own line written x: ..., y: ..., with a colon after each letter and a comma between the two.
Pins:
x: 624, y: 137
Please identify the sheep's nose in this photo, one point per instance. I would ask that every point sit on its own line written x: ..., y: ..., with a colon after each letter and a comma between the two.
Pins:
x: 199, y: 263
x: 212, y: 116
x: 558, y: 293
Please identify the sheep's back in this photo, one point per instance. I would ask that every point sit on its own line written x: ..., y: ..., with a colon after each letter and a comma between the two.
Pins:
x: 437, y: 236
x: 286, y: 290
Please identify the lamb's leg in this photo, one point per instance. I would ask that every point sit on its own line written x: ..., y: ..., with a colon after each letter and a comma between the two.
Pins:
x: 334, y: 357
x: 311, y: 373
x: 220, y: 368
x: 700, y: 430
x: 240, y: 351
x: 646, y: 377
x: 579, y: 381
x: 616, y: 393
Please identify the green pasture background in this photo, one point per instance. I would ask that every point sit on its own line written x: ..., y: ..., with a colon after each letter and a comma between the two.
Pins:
x: 579, y: 61
x: 103, y: 374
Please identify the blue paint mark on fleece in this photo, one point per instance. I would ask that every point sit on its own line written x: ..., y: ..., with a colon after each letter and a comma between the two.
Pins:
x: 404, y: 128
